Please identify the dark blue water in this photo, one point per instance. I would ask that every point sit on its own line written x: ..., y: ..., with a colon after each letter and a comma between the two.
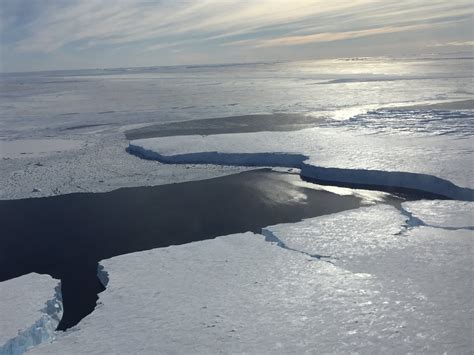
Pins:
x: 66, y: 236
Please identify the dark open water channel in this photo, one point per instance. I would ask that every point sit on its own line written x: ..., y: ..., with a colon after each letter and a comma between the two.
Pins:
x: 66, y: 236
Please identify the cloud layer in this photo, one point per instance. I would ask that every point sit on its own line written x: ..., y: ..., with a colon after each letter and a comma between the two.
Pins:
x: 56, y: 28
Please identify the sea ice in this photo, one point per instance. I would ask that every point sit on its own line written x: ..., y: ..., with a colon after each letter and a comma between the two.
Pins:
x: 382, y: 282
x: 99, y: 165
x: 30, y: 311
x: 376, y: 229
x: 424, y: 274
x: 446, y: 214
x: 373, y: 284
x: 35, y: 147
x: 96, y: 106
x: 431, y: 164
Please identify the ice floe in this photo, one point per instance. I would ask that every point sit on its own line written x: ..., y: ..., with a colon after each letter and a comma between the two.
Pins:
x: 373, y: 284
x: 437, y: 165
x: 30, y: 310
x: 424, y: 274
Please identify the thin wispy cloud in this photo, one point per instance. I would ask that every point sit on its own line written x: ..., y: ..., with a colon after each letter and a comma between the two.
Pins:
x: 62, y: 27
x: 329, y: 36
x: 453, y: 44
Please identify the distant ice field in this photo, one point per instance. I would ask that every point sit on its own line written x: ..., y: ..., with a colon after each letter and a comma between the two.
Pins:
x: 447, y: 118
x: 96, y: 107
x: 50, y: 101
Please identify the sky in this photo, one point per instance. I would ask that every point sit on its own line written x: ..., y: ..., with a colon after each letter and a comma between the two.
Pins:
x: 73, y: 34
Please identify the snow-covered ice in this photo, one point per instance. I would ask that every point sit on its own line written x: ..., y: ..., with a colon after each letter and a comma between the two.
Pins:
x: 446, y: 214
x: 374, y: 284
x: 30, y: 310
x: 36, y: 147
x: 433, y: 163
x: 424, y: 274
x: 99, y: 165
x: 376, y: 230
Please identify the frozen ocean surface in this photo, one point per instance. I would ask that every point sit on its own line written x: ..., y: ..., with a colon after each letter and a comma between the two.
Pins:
x: 30, y: 310
x: 372, y: 280
x: 374, y: 283
x: 35, y: 147
x: 97, y: 106
x: 444, y: 214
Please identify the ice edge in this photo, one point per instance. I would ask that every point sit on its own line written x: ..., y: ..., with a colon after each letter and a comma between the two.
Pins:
x: 390, y: 181
x: 43, y: 330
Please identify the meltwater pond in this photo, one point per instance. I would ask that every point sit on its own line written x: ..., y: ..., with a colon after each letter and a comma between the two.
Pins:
x: 66, y: 236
